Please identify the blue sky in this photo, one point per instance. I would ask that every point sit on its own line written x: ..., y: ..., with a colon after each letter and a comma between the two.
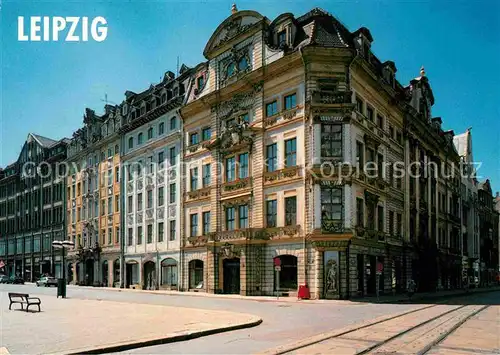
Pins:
x: 47, y: 85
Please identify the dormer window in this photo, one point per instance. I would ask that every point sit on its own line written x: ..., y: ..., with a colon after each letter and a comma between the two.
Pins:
x: 282, y: 39
x: 176, y: 92
x: 124, y: 109
x: 143, y: 110
x: 163, y: 98
x: 200, y: 82
x: 148, y: 107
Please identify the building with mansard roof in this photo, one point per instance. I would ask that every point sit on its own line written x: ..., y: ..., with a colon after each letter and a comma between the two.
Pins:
x: 32, y: 212
x: 152, y: 184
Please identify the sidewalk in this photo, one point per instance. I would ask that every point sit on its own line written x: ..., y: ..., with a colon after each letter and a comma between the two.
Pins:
x: 400, y: 298
x: 71, y: 326
x: 424, y: 296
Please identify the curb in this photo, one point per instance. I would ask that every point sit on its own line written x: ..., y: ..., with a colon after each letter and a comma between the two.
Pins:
x: 158, y: 341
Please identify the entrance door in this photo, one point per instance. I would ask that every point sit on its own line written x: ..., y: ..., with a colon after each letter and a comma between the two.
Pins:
x: 128, y: 272
x: 372, y: 281
x: 361, y: 274
x: 89, y: 272
x: 105, y: 274
x: 231, y: 275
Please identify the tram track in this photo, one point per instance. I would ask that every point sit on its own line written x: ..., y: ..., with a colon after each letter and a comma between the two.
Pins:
x: 423, y: 329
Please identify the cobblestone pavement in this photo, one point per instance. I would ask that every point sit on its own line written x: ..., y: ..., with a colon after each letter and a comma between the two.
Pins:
x: 77, y: 325
x: 466, y: 326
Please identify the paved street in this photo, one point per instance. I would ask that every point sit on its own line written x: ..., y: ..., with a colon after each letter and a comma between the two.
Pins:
x: 284, y: 322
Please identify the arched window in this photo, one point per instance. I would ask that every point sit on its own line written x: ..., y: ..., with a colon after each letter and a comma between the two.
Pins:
x: 161, y: 128
x: 131, y: 143
x: 243, y: 64
x: 173, y: 123
x: 230, y: 70
x: 117, y: 150
x: 139, y: 139
x: 163, y: 98
x: 150, y: 133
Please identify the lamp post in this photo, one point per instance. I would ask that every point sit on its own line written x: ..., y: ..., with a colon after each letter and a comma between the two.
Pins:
x: 62, y: 244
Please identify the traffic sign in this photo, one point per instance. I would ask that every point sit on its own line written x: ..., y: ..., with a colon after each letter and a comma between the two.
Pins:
x: 277, y: 261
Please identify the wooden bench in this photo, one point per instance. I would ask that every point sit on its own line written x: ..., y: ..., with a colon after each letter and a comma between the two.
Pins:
x: 24, y: 299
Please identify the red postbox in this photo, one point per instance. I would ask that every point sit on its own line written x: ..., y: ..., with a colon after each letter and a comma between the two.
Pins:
x: 303, y: 293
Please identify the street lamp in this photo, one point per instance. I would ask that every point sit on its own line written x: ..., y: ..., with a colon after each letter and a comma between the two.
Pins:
x: 63, y: 244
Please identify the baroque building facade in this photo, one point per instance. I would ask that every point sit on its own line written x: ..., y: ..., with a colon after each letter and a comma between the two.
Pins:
x: 152, y: 184
x: 32, y: 199
x: 93, y: 200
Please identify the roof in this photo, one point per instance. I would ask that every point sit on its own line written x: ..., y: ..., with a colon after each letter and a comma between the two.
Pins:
x: 44, y: 141
x: 324, y: 30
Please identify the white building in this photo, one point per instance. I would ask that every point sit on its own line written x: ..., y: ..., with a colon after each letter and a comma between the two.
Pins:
x: 151, y: 169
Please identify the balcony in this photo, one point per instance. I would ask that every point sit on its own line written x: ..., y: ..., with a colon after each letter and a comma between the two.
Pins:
x: 331, y: 98
x: 275, y: 233
x: 331, y: 226
x: 198, y: 194
x: 282, y: 116
x: 236, y: 185
x: 273, y: 177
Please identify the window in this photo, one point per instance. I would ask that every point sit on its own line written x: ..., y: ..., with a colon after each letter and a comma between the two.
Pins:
x: 230, y: 218
x: 206, y: 175
x: 360, y: 154
x: 243, y: 216
x: 110, y: 235
x: 245, y: 118
x: 103, y: 208
x: 130, y: 237
x: 139, y: 235
x: 290, y: 101
x: 399, y: 137
x: 160, y: 232
x: 290, y: 211
x: 200, y: 81
x: 243, y: 168
x: 172, y: 231
x: 110, y: 177
x: 230, y: 169
x: 331, y: 140
x: 380, y: 165
x: 193, y: 138
x: 380, y: 122
x: 117, y: 149
x: 230, y: 69
x: 271, y: 157
x: 161, y: 158
x: 391, y: 132
x: 359, y: 105
x: 161, y: 197
x: 172, y: 193
x: 150, y: 233
x: 173, y: 156
x: 360, y: 212
x: 206, y: 222
x: 150, y: 199
x: 150, y: 133
x: 291, y: 152
x: 380, y: 217
x: 391, y: 223
x: 110, y: 153
x: 117, y: 235
x: 161, y: 128
x: 272, y: 108
x: 173, y: 123
x: 206, y: 134
x: 243, y: 64
x: 369, y: 113
x: 117, y: 174
x: 331, y: 204
x: 193, y: 225
x: 129, y: 204
x: 281, y: 39
x: 194, y: 179
x: 271, y: 213
x: 139, y: 139
x: 110, y: 205
x: 139, y: 202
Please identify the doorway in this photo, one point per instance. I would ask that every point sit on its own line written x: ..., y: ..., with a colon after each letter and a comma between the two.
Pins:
x: 231, y: 275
